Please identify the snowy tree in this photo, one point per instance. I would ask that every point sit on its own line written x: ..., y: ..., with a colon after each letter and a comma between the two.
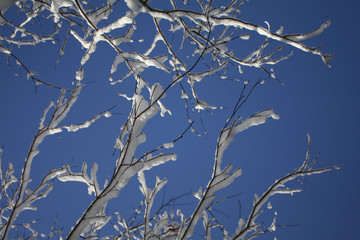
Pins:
x: 157, y: 51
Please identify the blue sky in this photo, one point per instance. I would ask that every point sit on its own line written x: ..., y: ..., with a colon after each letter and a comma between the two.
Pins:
x: 315, y: 99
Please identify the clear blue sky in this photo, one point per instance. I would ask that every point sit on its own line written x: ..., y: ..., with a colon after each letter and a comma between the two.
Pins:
x: 315, y: 99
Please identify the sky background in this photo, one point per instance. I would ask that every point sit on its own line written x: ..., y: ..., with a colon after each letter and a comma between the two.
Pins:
x: 315, y: 99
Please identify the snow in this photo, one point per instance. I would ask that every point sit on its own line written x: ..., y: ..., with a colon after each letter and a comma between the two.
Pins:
x: 41, y: 125
x: 88, y: 53
x: 79, y: 74
x: 153, y: 45
x: 133, y: 5
x: 198, y: 77
x: 163, y: 109
x: 156, y: 93
x: 119, y: 59
x: 125, y: 96
x: 184, y: 95
x: 4, y: 50
x: 56, y: 5
x: 83, y: 43
x: 54, y: 173
x: 141, y: 138
x: 203, y: 106
x: 240, y: 226
x: 119, y: 23
x: 272, y: 228
x: 288, y: 39
x: 228, y: 134
x: 164, y: 220
x: 143, y: 108
x: 76, y: 127
x: 199, y: 194
x: 280, y: 30
x: 169, y: 145
x: 149, y: 197
x: 158, y: 160
x: 302, y: 37
x: 126, y: 38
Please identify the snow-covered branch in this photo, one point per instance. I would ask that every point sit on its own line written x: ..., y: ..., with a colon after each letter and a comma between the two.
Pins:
x: 127, y: 165
x: 248, y: 229
x: 23, y: 198
x: 189, y: 44
x: 221, y: 178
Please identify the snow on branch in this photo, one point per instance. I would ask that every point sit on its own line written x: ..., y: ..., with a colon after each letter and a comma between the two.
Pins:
x: 206, y: 34
x: 221, y: 178
x: 149, y: 200
x: 76, y: 127
x: 127, y: 165
x: 93, y: 185
x: 227, y: 134
x: 23, y: 198
x: 217, y: 18
x: 302, y: 37
x: 249, y: 229
x: 288, y: 40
